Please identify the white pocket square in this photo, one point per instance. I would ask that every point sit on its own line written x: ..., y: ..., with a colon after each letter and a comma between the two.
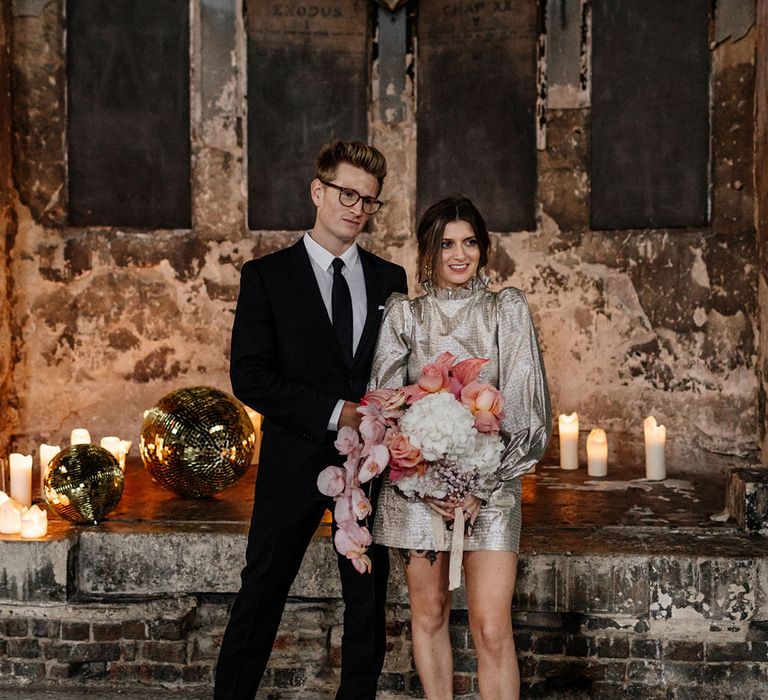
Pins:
x: 381, y: 308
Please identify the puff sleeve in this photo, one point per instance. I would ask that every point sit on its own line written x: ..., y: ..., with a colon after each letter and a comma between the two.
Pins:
x: 527, y: 424
x: 390, y: 360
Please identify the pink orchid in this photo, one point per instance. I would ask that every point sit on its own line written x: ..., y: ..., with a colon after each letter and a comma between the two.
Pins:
x: 486, y: 404
x: 372, y: 429
x: 374, y: 464
x: 347, y: 440
x: 342, y: 511
x: 361, y: 506
x: 352, y: 541
x: 332, y: 480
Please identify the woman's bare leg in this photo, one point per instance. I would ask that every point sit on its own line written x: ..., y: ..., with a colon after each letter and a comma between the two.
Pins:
x: 490, y: 578
x: 427, y: 576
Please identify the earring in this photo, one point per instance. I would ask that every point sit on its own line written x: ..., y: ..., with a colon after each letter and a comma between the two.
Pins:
x: 427, y: 272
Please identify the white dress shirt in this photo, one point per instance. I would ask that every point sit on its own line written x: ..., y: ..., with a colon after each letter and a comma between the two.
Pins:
x: 322, y: 260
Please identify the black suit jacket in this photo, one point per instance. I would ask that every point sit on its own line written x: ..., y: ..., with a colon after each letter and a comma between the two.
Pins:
x: 286, y: 363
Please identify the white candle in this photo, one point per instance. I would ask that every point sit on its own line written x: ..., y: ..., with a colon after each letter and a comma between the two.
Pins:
x: 655, y: 462
x: 111, y: 444
x: 597, y: 453
x: 125, y: 449
x: 47, y: 453
x: 79, y: 436
x: 10, y: 517
x: 21, y: 478
x: 34, y: 522
x: 3, y: 497
x: 569, y: 441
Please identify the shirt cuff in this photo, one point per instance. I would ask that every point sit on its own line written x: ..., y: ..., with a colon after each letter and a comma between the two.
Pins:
x: 333, y: 422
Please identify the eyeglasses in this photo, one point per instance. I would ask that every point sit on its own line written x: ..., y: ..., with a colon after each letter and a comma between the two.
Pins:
x: 349, y: 198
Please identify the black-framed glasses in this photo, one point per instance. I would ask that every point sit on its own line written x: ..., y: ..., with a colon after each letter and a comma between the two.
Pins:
x: 349, y: 197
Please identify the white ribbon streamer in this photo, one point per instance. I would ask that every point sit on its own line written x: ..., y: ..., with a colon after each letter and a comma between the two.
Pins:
x: 457, y: 550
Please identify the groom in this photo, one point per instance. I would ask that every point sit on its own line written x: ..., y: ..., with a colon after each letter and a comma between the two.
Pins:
x: 302, y: 343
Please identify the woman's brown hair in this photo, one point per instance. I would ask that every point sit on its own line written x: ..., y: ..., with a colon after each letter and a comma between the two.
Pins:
x: 429, y: 234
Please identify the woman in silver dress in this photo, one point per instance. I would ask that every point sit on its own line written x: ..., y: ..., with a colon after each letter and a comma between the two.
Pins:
x: 459, y: 314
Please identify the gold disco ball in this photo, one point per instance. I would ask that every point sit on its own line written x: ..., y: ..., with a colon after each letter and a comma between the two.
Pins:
x: 83, y: 483
x: 197, y: 441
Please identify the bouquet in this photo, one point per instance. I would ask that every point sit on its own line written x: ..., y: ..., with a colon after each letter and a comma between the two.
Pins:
x: 439, y: 437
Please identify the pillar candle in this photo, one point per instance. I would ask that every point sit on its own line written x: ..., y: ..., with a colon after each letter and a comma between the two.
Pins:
x: 21, y: 478
x: 125, y: 449
x: 79, y: 436
x: 10, y: 518
x: 111, y: 444
x: 655, y: 462
x: 47, y: 453
x: 34, y: 522
x: 569, y: 441
x: 597, y: 453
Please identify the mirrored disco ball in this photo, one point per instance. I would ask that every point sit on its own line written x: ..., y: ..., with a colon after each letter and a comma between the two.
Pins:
x: 83, y: 483
x: 197, y: 441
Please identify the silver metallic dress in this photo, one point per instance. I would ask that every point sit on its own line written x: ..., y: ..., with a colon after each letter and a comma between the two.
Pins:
x: 468, y: 322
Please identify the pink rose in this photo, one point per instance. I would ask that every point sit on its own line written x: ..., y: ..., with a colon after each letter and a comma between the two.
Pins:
x: 402, y: 454
x: 331, y: 480
x: 486, y: 404
x: 433, y: 378
x: 374, y: 463
x: 347, y: 440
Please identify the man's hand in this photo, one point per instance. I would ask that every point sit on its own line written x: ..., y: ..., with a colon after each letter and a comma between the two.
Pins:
x: 349, y: 416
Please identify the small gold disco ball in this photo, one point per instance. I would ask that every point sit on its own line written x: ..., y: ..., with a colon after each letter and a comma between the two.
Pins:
x: 83, y: 483
x: 197, y: 441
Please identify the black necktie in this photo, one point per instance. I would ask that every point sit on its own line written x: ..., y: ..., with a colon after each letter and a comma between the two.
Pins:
x: 341, y: 308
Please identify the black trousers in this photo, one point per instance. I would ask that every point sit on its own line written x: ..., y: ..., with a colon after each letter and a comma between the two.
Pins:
x: 280, y: 533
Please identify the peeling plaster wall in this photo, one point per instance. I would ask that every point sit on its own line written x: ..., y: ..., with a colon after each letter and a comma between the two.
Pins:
x: 631, y: 322
x: 7, y: 231
x: 761, y: 208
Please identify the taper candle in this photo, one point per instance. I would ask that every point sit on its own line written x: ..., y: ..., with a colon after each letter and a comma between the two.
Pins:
x: 21, y: 478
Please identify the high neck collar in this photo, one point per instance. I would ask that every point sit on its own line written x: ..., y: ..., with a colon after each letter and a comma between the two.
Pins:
x: 477, y: 283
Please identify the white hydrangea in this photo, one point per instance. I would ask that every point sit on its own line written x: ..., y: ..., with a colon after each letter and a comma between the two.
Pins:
x: 443, y: 429
x: 439, y: 426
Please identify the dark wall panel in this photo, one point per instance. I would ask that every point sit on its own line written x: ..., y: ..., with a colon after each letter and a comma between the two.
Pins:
x: 476, y: 107
x: 307, y: 84
x: 650, y: 114
x: 128, y: 113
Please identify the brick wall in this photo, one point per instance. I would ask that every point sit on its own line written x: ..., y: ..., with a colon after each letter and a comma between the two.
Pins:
x: 174, y: 643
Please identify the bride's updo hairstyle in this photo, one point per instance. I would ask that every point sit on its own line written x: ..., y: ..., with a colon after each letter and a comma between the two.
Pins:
x: 429, y: 234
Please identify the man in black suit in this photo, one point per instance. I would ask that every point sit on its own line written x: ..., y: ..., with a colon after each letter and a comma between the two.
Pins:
x: 302, y: 343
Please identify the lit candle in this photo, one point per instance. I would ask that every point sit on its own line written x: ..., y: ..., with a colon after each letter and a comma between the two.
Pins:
x: 655, y: 462
x: 34, y: 522
x: 111, y: 444
x: 47, y: 453
x: 79, y: 436
x: 125, y: 448
x: 597, y: 453
x: 10, y: 517
x: 21, y: 478
x: 569, y: 441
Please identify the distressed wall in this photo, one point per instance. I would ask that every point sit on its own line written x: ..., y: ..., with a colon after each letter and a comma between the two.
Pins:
x: 761, y: 206
x: 7, y: 229
x: 631, y: 322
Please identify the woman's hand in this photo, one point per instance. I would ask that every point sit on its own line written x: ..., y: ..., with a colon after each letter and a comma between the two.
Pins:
x: 443, y: 506
x: 471, y: 507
